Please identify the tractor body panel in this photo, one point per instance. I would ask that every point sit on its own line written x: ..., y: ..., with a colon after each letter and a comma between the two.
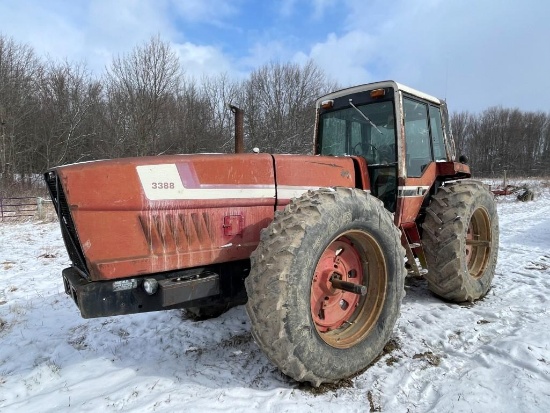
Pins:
x: 296, y: 174
x: 139, y: 216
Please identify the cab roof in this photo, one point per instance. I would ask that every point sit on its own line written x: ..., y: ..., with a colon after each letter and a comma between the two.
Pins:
x: 378, y: 85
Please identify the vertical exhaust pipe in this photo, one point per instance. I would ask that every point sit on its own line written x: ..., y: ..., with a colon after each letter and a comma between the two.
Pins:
x: 239, y: 128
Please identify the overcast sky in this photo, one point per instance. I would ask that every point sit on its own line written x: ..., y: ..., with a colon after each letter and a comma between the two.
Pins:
x: 474, y: 53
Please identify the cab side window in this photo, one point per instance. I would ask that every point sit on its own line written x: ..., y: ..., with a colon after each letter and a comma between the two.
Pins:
x: 417, y: 136
x: 437, y: 134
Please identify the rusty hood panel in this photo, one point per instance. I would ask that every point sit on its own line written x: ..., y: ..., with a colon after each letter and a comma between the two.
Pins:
x: 145, y: 215
x: 299, y: 173
x: 157, y: 182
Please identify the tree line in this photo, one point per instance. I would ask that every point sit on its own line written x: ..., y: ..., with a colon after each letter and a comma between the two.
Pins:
x: 500, y: 139
x: 54, y: 113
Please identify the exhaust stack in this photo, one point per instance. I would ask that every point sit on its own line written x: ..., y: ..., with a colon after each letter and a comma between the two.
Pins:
x: 239, y: 128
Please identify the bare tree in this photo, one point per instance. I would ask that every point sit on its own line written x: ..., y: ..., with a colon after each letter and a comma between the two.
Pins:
x: 219, y: 92
x: 19, y: 69
x: 279, y: 106
x: 188, y: 120
x: 500, y: 139
x: 139, y: 87
x: 53, y: 113
x: 461, y: 125
x: 66, y: 93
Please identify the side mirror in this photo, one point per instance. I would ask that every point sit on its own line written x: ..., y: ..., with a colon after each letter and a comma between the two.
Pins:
x: 463, y: 159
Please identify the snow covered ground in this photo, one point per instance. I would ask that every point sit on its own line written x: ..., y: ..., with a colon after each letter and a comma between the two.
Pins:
x: 491, y: 356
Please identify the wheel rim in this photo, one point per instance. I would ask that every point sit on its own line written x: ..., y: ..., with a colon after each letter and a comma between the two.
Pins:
x: 478, y: 243
x: 342, y: 318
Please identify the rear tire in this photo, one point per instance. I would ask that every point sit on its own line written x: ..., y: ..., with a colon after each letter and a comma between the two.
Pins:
x: 310, y: 330
x: 460, y: 240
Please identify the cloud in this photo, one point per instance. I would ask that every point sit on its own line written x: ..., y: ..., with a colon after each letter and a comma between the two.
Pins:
x: 476, y: 55
x: 320, y: 6
x: 287, y: 8
x: 263, y: 52
x: 96, y: 31
x: 197, y: 61
x: 30, y: 23
x: 90, y: 31
x: 205, y: 11
x: 115, y: 28
x: 345, y: 58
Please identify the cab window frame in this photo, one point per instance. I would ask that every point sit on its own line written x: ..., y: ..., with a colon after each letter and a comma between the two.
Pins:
x: 423, y: 154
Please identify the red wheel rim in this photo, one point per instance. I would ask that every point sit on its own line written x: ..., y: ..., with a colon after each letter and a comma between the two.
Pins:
x: 341, y: 318
x: 330, y: 307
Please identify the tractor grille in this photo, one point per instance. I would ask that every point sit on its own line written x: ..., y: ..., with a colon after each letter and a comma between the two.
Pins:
x: 169, y: 233
x: 68, y: 229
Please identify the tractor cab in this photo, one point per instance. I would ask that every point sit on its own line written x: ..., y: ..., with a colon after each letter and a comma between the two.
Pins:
x: 400, y: 132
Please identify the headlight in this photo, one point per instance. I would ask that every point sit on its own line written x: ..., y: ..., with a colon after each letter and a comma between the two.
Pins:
x: 150, y: 285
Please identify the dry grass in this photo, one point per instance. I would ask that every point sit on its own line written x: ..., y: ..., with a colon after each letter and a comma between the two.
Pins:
x: 6, y: 265
x: 431, y: 358
x: 373, y: 406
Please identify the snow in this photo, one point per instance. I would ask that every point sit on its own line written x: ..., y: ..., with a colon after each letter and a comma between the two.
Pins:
x: 493, y: 355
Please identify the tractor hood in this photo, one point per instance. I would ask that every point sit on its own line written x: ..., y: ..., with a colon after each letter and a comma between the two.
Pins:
x: 136, y: 216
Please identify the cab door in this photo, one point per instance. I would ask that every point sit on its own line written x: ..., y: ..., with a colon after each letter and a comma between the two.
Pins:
x: 424, y: 145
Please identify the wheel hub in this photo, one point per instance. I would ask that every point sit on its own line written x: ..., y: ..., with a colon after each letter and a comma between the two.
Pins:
x: 332, y: 307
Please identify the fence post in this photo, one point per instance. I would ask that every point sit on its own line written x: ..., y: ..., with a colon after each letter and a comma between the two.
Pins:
x: 39, y: 207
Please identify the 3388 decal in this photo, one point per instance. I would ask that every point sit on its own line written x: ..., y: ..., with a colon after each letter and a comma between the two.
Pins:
x: 162, y: 185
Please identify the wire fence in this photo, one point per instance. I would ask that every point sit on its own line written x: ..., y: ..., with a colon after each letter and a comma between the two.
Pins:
x: 23, y: 207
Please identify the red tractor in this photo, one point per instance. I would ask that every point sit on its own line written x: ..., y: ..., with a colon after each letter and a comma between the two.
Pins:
x: 317, y: 246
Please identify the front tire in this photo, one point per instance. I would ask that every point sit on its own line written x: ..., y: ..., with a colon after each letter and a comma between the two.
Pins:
x: 312, y: 330
x: 460, y: 240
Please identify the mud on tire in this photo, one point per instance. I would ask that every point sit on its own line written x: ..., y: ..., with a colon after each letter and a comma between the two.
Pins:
x: 460, y: 239
x: 311, y: 330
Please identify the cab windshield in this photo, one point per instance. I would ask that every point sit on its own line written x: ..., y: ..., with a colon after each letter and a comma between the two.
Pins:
x: 366, y: 130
